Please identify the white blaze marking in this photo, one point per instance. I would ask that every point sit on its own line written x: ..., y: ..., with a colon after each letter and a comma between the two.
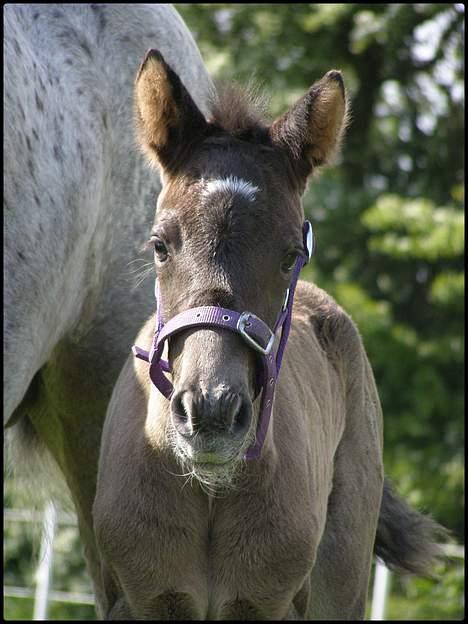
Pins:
x: 232, y: 184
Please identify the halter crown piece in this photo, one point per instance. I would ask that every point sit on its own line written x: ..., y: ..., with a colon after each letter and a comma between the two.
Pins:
x: 250, y: 328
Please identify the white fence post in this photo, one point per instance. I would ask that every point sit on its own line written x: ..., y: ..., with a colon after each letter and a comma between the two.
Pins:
x: 44, y: 569
x: 380, y: 592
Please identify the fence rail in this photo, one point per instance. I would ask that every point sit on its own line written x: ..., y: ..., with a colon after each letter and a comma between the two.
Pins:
x: 10, y: 591
x: 43, y: 593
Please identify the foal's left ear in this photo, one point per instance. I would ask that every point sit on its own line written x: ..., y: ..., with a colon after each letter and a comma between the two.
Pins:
x: 167, y: 118
x: 312, y: 129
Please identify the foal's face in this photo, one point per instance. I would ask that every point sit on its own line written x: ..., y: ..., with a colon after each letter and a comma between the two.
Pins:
x: 227, y: 232
x: 221, y: 239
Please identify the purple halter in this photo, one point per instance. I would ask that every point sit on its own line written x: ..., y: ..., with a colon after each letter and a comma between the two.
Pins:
x: 253, y: 330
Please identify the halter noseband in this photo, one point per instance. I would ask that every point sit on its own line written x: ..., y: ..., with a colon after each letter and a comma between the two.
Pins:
x: 253, y: 331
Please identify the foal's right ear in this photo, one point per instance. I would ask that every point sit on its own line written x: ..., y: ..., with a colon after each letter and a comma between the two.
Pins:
x: 168, y: 120
x: 311, y: 131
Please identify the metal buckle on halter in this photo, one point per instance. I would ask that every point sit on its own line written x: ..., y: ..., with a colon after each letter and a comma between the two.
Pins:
x: 309, y: 239
x: 243, y: 323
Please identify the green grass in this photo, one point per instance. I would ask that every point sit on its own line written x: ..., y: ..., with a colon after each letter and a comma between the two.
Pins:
x: 22, y: 609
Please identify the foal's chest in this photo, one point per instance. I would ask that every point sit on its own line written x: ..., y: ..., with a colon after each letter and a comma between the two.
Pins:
x: 258, y: 557
x: 237, y: 556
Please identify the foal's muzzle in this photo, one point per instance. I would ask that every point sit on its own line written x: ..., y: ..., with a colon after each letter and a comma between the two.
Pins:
x: 198, y: 416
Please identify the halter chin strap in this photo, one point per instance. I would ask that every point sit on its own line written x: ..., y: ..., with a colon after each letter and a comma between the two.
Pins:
x: 252, y: 330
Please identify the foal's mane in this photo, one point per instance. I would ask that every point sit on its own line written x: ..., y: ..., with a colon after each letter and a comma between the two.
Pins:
x: 240, y: 110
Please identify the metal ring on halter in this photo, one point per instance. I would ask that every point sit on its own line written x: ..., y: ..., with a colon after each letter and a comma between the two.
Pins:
x: 309, y: 239
x: 242, y: 323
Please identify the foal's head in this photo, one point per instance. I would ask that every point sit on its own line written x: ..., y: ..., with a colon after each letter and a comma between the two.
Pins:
x: 227, y: 231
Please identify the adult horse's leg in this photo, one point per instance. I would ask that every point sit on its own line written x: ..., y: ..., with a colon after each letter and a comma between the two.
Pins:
x: 66, y: 411
x: 340, y: 577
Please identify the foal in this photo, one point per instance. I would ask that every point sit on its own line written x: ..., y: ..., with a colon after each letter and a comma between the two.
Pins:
x: 203, y: 509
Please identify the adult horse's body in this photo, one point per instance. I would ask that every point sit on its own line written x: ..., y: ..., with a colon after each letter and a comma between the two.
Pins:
x: 291, y: 533
x: 77, y: 208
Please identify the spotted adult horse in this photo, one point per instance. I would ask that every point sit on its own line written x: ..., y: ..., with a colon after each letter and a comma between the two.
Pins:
x: 77, y: 204
x: 241, y: 474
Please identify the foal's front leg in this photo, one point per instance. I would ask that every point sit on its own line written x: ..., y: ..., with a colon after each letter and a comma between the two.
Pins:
x: 340, y: 576
x: 168, y: 605
x: 114, y: 605
x: 292, y: 613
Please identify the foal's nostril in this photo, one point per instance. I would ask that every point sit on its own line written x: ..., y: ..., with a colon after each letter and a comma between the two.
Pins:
x: 242, y: 417
x: 180, y: 415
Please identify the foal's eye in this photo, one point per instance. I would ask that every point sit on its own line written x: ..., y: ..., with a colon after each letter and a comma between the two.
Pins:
x: 160, y: 249
x: 288, y: 262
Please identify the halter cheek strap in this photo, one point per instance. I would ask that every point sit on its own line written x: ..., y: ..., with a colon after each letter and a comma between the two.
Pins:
x: 255, y: 332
